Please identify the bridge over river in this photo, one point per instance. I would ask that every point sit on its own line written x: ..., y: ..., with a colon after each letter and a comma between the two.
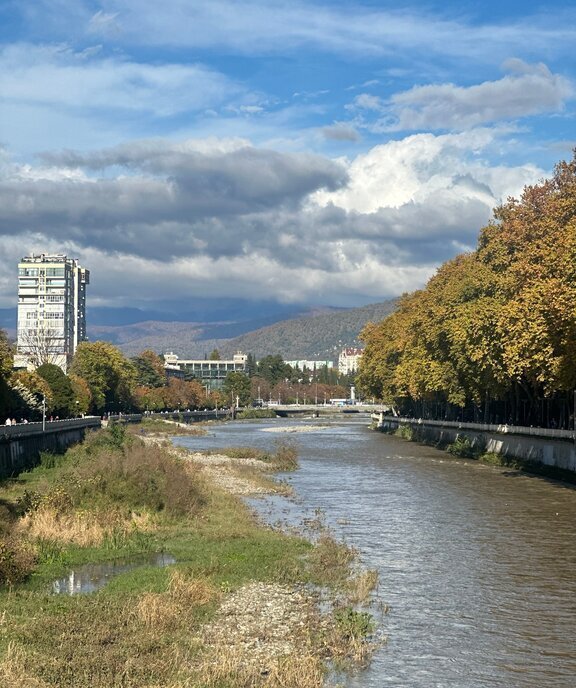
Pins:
x: 286, y: 410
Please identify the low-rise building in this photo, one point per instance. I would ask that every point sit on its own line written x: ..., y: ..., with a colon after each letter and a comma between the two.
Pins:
x: 310, y: 365
x: 207, y: 371
x: 348, y: 360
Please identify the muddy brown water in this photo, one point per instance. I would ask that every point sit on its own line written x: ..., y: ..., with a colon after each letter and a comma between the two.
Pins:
x: 478, y: 564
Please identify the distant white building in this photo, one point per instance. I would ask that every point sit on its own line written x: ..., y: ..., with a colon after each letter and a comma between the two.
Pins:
x: 348, y: 360
x: 310, y: 365
x: 51, y: 310
x: 207, y: 371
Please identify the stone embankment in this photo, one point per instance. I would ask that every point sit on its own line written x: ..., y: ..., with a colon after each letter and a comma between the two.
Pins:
x: 555, y: 449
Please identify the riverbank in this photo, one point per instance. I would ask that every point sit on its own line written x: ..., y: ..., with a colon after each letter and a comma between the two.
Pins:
x: 244, y: 604
x: 535, y: 455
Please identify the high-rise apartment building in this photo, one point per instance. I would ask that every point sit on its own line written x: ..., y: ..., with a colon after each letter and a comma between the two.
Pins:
x: 51, y: 310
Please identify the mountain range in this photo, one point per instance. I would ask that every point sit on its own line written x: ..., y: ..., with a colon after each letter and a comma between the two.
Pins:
x: 294, y: 332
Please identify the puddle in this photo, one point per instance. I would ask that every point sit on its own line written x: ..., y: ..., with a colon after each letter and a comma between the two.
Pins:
x: 91, y: 577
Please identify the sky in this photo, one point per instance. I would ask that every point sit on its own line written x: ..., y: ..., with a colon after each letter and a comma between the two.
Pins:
x: 307, y: 152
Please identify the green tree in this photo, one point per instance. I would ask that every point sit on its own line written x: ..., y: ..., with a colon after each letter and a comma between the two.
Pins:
x: 238, y: 385
x: 110, y: 376
x: 273, y: 369
x: 214, y: 355
x: 251, y: 365
x: 62, y: 401
x: 6, y: 362
x: 28, y: 390
x: 149, y: 369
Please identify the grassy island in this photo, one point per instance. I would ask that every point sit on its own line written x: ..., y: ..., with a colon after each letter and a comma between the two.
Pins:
x: 240, y: 606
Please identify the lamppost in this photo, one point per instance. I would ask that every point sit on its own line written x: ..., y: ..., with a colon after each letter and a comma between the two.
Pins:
x: 43, y: 413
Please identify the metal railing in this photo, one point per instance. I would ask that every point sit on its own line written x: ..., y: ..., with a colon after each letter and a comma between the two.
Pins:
x: 21, y: 429
x: 502, y: 429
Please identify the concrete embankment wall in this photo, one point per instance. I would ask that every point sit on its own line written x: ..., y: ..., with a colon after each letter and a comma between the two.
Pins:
x: 20, y: 445
x: 555, y: 448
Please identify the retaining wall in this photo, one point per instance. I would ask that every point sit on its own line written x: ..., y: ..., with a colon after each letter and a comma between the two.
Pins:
x: 20, y: 445
x: 546, y: 446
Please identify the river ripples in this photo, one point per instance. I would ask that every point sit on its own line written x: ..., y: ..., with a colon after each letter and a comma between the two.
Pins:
x: 478, y: 564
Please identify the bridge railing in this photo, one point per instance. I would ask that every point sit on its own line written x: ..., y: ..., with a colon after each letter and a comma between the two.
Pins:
x: 503, y: 429
x: 50, y: 426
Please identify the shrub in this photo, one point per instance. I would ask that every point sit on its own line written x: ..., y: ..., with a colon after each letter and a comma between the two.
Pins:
x: 405, y: 432
x: 353, y: 624
x: 143, y: 476
x: 330, y: 561
x: 249, y: 414
x: 16, y: 561
x: 462, y: 447
x: 286, y: 456
x: 49, y: 460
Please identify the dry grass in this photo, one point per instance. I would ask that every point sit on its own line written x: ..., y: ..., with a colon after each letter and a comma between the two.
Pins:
x: 161, y: 611
x: 331, y: 561
x: 13, y: 672
x: 82, y: 528
x: 262, y: 483
x: 291, y: 671
x: 159, y: 427
x: 49, y: 524
x: 347, y: 650
x: 360, y: 587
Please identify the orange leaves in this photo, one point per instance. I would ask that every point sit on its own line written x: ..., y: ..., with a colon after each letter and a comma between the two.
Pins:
x: 501, y: 315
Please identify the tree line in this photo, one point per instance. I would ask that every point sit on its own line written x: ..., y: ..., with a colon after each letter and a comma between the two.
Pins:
x: 492, y: 336
x: 102, y: 380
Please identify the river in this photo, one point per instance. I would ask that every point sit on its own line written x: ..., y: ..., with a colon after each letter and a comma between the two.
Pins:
x: 477, y: 563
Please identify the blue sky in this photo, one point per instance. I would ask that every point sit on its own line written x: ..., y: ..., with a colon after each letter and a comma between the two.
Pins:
x: 309, y: 152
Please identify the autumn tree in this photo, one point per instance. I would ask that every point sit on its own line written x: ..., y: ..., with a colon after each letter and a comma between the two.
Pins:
x: 149, y: 398
x: 110, y: 376
x: 182, y: 394
x: 497, y: 326
x: 81, y: 392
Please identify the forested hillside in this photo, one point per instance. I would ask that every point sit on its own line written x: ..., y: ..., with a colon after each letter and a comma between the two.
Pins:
x: 319, y: 337
x: 493, y: 334
x: 312, y: 336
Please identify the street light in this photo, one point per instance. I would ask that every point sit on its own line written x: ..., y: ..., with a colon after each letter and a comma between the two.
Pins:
x: 43, y: 413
